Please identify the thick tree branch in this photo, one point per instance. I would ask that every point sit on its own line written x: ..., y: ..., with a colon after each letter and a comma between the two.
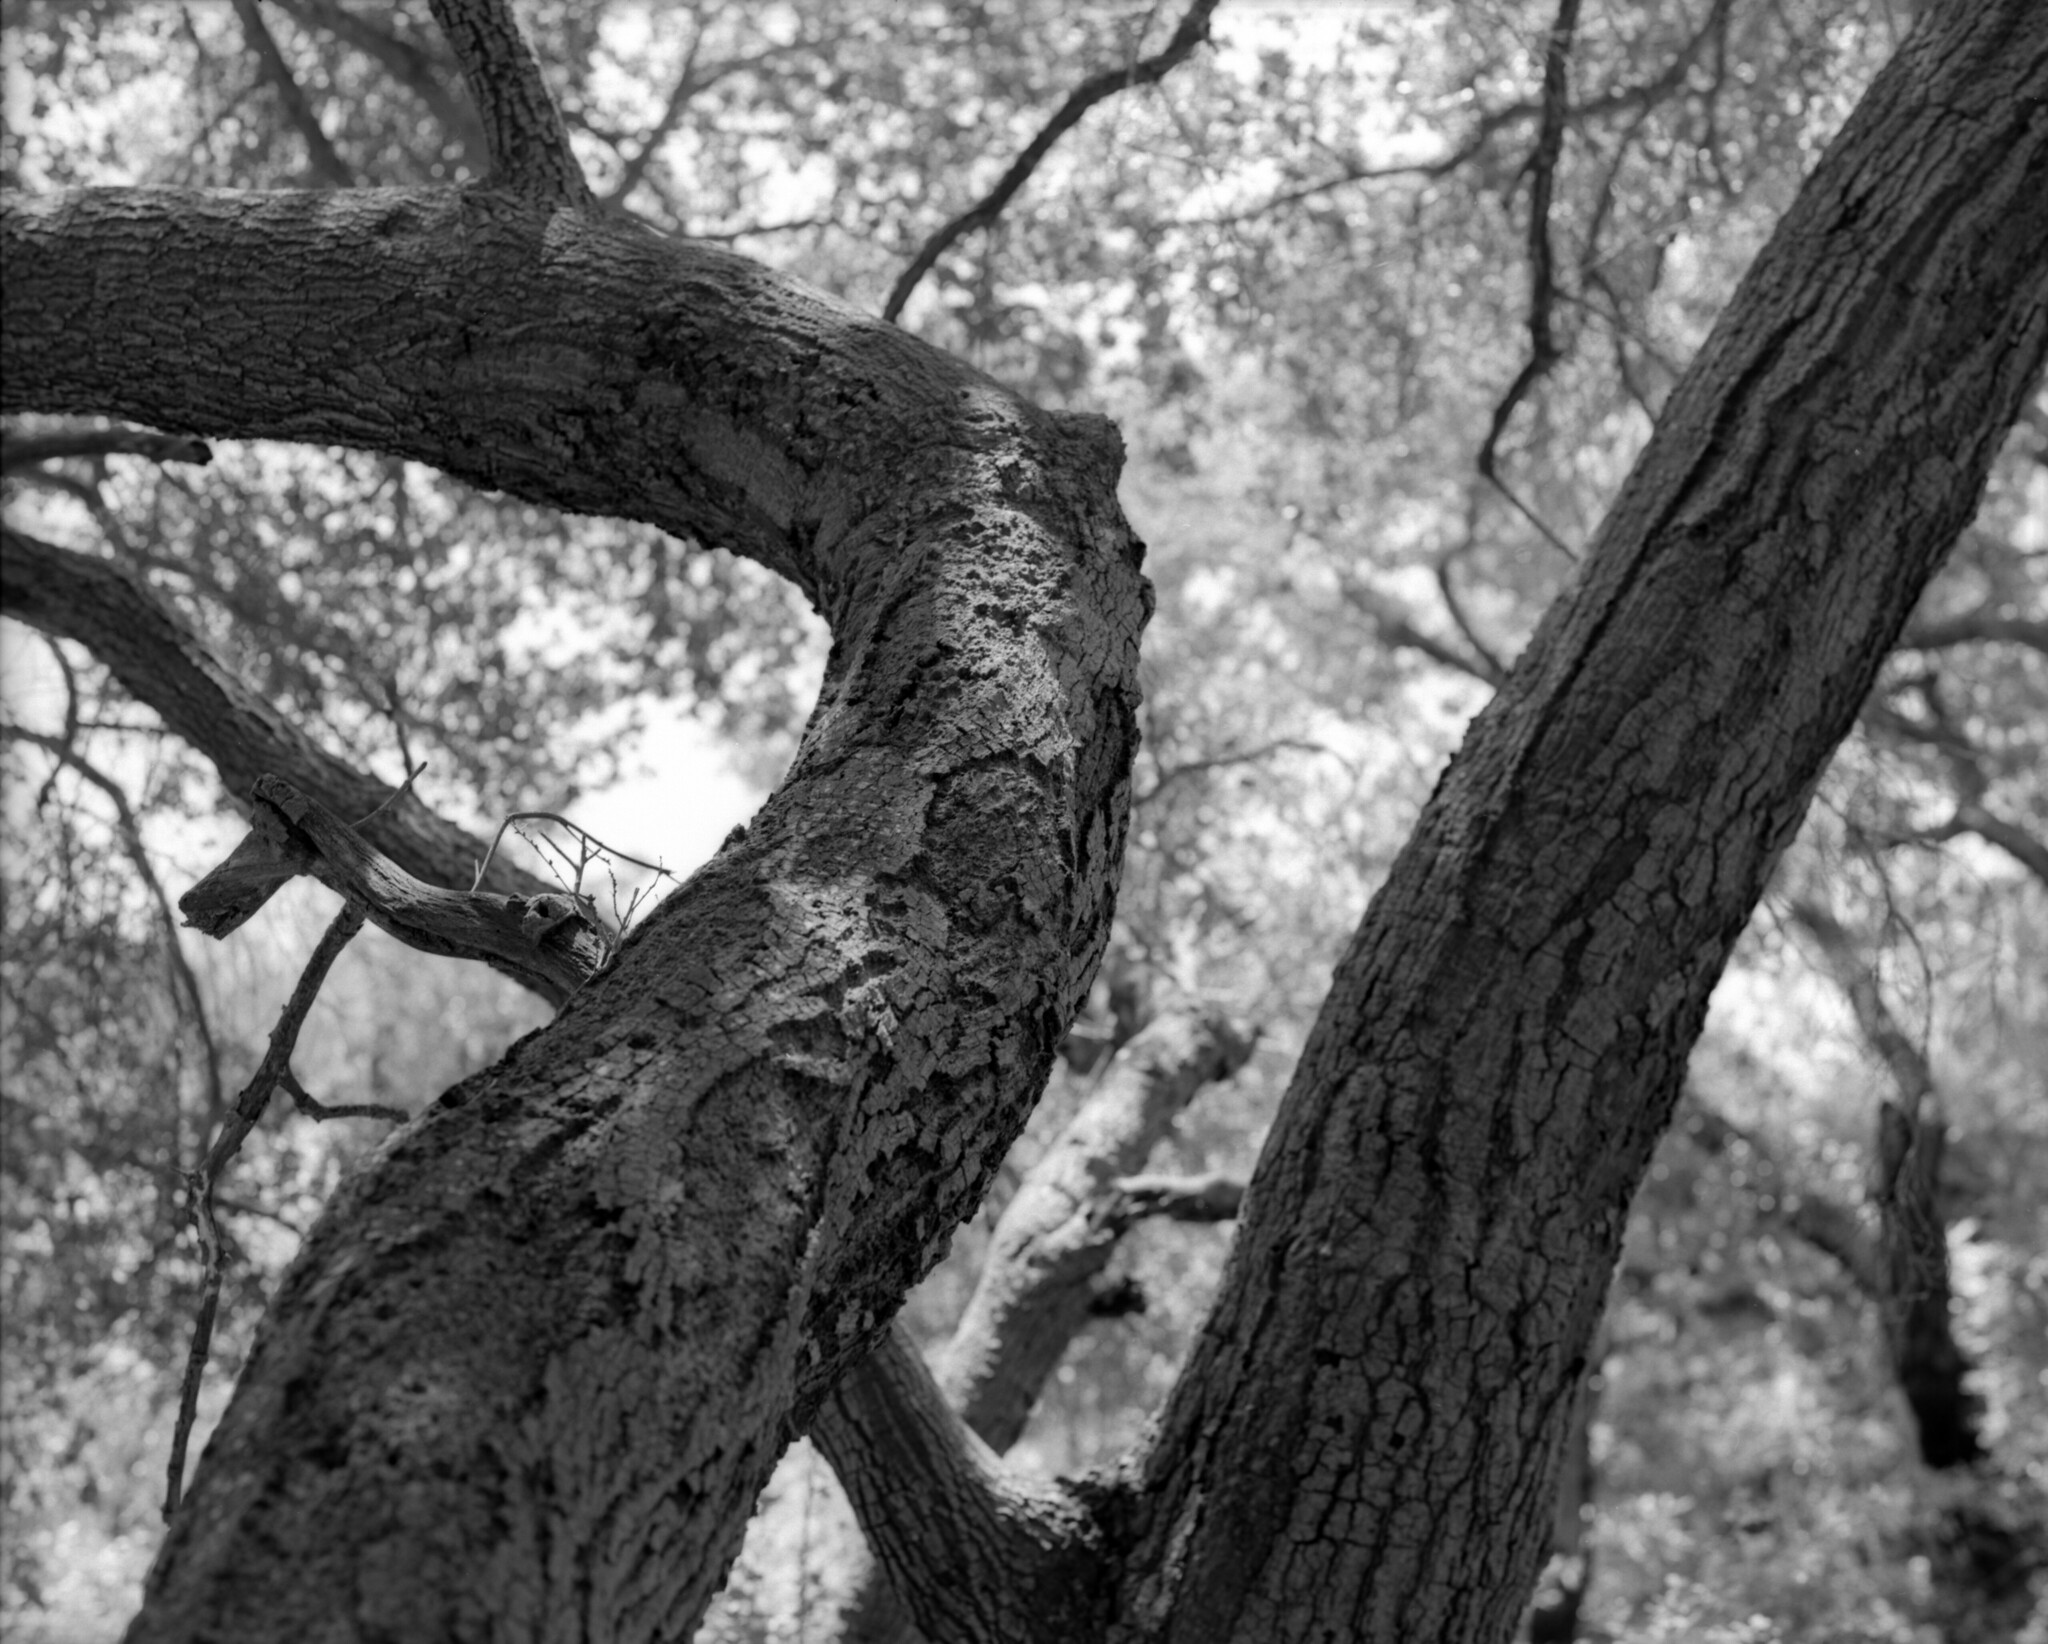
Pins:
x: 1060, y: 1229
x: 523, y: 131
x: 1193, y: 31
x: 692, y: 1200
x: 979, y: 1551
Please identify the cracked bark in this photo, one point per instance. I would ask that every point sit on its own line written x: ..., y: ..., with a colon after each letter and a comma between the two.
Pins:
x: 535, y: 1361
x: 1365, y: 1443
x: 1050, y: 1247
x: 533, y: 1365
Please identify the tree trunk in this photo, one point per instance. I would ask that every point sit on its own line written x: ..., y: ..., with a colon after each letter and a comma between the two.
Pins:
x: 532, y: 1367
x: 534, y: 1363
x: 1366, y: 1440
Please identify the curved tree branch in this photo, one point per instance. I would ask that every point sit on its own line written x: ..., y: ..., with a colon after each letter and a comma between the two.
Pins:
x: 692, y: 1200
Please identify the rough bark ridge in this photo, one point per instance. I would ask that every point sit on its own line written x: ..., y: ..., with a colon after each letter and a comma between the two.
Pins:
x: 531, y: 1369
x: 1364, y: 1444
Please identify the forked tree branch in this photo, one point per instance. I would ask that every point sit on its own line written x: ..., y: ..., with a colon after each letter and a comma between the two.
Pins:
x: 1192, y: 32
x: 523, y: 130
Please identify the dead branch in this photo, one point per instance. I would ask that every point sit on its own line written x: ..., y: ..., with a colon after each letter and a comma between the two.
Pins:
x: 272, y: 1074
x: 549, y: 942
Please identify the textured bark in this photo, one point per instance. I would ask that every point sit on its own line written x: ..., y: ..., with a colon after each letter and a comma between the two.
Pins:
x: 1365, y: 1442
x: 1051, y: 1245
x: 532, y: 1367
x: 981, y: 1552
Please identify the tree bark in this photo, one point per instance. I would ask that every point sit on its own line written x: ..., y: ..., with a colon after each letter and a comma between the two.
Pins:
x: 1365, y: 1443
x: 531, y: 1369
x: 1033, y: 1296
x: 535, y: 1361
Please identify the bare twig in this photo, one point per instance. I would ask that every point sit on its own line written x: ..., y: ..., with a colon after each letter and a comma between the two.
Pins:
x: 272, y: 1074
x: 593, y: 847
x: 412, y: 775
x: 1192, y: 32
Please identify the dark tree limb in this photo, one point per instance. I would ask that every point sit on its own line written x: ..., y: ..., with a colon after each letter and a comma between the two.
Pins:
x: 1364, y: 1440
x: 1987, y: 625
x: 1193, y: 31
x: 1544, y: 351
x: 1930, y: 1364
x: 1214, y: 1196
x: 548, y: 942
x: 981, y: 1552
x: 523, y: 130
x: 1396, y: 627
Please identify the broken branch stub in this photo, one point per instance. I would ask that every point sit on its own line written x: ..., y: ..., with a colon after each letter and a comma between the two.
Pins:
x: 547, y: 943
